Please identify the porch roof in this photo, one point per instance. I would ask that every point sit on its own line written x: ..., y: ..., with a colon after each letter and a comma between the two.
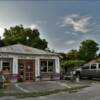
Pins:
x: 22, y: 49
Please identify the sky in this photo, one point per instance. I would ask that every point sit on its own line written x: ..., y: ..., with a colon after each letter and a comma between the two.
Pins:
x: 63, y: 23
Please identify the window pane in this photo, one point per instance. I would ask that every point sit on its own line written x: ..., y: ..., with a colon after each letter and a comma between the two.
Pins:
x: 50, y: 66
x: 43, y: 66
x: 93, y: 66
x: 99, y: 65
x: 6, y: 66
x: 85, y: 67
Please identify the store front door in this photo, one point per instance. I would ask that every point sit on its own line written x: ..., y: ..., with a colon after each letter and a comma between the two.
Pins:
x: 29, y: 74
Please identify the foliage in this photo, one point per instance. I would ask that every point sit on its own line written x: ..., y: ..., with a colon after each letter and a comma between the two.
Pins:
x: 62, y: 56
x: 72, y: 55
x: 72, y: 63
x: 1, y: 42
x: 26, y: 36
x: 88, y: 49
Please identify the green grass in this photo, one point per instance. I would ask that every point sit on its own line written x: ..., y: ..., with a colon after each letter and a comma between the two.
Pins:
x: 36, y: 94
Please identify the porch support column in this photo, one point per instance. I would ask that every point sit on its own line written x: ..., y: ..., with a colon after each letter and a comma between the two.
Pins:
x: 57, y: 64
x: 1, y: 65
x: 57, y: 68
x: 15, y: 68
x: 37, y: 68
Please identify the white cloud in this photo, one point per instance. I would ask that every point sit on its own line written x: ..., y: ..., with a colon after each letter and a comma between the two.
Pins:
x: 77, y: 23
x: 1, y: 31
x: 34, y: 26
x: 70, y: 42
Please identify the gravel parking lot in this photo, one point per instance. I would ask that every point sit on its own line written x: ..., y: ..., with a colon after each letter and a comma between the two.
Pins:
x: 89, y: 93
x: 84, y: 94
x: 42, y: 86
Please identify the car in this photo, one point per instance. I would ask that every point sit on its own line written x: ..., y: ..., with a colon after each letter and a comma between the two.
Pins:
x: 69, y: 75
x: 89, y: 71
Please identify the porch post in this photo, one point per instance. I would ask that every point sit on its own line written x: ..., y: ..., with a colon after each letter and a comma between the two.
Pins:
x: 15, y: 69
x: 37, y: 68
x: 57, y: 68
x: 57, y: 64
x: 0, y: 64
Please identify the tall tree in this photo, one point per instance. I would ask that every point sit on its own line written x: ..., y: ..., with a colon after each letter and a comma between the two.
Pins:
x: 72, y: 55
x: 26, y: 36
x: 1, y: 42
x: 88, y: 50
x: 62, y: 56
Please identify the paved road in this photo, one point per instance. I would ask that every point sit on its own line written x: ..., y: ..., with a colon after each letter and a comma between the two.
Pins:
x: 90, y: 93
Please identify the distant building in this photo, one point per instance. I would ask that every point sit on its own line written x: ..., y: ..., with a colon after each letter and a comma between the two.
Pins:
x: 25, y: 63
x: 96, y: 60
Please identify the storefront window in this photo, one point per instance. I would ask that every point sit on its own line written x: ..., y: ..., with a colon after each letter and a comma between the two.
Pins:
x: 43, y: 66
x: 50, y: 66
x: 6, y: 66
x: 47, y: 65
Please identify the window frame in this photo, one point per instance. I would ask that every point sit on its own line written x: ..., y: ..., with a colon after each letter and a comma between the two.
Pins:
x: 7, y: 61
x: 47, y: 65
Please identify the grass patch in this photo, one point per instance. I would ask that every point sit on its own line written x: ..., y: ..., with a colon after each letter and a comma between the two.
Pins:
x: 36, y: 94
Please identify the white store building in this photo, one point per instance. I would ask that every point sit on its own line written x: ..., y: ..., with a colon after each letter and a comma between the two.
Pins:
x: 29, y: 64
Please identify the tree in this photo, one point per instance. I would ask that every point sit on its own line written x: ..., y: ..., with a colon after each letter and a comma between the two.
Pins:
x: 62, y: 56
x: 1, y: 42
x: 72, y: 55
x: 71, y: 64
x: 88, y: 50
x: 26, y: 36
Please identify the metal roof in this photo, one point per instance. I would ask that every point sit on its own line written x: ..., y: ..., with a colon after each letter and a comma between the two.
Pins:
x: 22, y: 49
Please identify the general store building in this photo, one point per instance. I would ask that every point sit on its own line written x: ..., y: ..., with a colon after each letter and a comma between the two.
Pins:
x: 29, y: 64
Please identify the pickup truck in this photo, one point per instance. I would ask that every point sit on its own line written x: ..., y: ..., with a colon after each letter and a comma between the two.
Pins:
x: 89, y: 71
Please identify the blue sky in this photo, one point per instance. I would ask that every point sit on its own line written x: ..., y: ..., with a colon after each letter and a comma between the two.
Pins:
x: 64, y: 24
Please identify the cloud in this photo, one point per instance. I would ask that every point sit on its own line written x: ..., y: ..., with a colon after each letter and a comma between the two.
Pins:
x: 41, y: 22
x: 77, y: 23
x: 72, y: 33
x: 37, y: 24
x: 34, y: 26
x: 1, y: 31
x: 70, y: 42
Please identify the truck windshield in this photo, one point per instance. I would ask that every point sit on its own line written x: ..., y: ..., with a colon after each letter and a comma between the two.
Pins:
x: 85, y: 67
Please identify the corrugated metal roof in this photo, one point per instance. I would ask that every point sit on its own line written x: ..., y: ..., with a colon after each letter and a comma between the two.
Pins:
x: 22, y: 49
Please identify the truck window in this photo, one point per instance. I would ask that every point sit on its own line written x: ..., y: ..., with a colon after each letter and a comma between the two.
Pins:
x: 99, y: 66
x: 85, y: 67
x: 93, y: 66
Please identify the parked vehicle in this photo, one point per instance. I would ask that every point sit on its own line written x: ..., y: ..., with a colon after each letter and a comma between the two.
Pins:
x: 69, y: 75
x: 89, y: 71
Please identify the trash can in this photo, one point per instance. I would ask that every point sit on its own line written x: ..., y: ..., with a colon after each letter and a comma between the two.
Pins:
x: 77, y: 76
x: 2, y: 80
